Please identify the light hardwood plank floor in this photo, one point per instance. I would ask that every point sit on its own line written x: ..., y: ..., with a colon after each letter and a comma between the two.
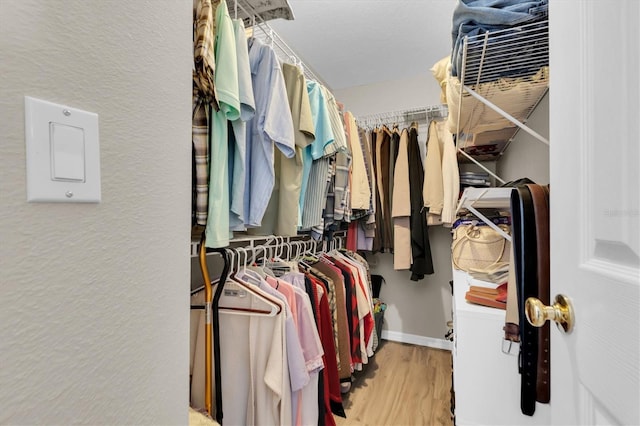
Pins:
x: 402, y: 385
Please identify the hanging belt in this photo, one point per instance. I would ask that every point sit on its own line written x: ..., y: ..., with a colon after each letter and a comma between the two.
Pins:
x: 524, y: 241
x: 540, y: 196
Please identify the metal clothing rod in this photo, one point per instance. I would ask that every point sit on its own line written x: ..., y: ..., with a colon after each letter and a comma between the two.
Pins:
x: 404, y: 116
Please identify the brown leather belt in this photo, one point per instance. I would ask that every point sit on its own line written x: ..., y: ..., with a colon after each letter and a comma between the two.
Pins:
x: 540, y: 196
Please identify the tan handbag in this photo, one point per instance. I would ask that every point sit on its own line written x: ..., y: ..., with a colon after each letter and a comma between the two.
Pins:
x: 479, y: 248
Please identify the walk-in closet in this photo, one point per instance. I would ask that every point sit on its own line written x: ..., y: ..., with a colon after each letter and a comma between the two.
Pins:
x: 294, y: 212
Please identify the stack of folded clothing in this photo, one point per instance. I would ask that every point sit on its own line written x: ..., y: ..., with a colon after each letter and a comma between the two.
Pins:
x: 475, y: 179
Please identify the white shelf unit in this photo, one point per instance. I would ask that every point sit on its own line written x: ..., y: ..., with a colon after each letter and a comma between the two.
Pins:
x: 485, y: 379
x: 485, y: 367
x: 473, y: 199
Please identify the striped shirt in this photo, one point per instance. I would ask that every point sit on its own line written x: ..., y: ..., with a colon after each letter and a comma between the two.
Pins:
x: 316, y: 196
x: 327, y: 216
x: 324, y: 136
x: 200, y: 141
x: 343, y: 163
x: 337, y: 126
x: 204, y: 34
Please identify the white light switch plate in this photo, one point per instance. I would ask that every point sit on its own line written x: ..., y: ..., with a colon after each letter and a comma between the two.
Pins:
x: 63, y: 153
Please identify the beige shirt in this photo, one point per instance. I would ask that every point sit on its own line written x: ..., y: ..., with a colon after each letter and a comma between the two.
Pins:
x: 401, y: 207
x: 360, y: 190
x: 433, y: 187
x: 450, y: 177
x: 441, y: 185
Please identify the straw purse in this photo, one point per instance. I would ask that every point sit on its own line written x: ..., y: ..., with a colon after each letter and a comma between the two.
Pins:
x: 479, y: 248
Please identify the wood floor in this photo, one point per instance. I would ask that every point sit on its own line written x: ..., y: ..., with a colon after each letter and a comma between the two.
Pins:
x: 402, y: 385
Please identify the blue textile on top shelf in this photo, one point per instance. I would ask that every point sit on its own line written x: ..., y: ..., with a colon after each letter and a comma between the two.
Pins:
x: 475, y: 17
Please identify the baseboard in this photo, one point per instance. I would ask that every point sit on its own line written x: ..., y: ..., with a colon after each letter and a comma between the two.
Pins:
x: 414, y: 339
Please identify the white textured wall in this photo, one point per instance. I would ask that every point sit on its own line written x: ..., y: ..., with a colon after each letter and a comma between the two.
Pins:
x: 415, y: 309
x: 94, y: 297
x: 526, y: 156
x: 394, y: 95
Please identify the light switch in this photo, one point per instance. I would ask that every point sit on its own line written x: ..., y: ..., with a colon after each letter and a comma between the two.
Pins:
x: 67, y: 152
x: 63, y: 153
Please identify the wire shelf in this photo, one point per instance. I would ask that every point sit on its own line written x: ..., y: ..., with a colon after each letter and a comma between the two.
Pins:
x: 503, y: 76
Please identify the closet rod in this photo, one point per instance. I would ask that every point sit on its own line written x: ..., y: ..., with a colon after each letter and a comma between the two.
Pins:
x: 251, y: 241
x: 406, y: 115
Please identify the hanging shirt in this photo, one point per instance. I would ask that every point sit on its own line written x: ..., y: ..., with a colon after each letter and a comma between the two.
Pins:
x: 360, y: 190
x: 256, y: 365
x: 433, y: 187
x: 226, y: 75
x: 324, y: 136
x: 341, y: 324
x: 421, y: 263
x: 282, y: 216
x: 450, y: 176
x: 245, y: 86
x: 341, y: 187
x: 217, y: 230
x: 238, y: 144
x: 200, y: 141
x: 204, y: 34
x: 204, y: 48
x: 339, y: 143
x: 401, y: 207
x: 298, y: 373
x: 271, y: 125
x: 316, y: 196
x: 226, y: 81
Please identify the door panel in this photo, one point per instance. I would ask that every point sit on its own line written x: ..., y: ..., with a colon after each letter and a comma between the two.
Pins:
x: 595, y: 220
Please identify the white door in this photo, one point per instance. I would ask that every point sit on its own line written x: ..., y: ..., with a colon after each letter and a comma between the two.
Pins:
x: 595, y: 186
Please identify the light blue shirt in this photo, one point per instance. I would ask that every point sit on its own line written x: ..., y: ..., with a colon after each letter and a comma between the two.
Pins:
x: 324, y: 136
x: 272, y: 124
x: 238, y: 138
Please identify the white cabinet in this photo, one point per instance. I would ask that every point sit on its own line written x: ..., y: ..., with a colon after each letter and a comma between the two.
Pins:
x: 486, y: 380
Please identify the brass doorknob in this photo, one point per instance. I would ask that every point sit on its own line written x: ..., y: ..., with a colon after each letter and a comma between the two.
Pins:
x: 561, y: 312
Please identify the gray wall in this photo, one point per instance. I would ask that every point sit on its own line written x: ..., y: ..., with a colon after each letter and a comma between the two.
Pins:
x: 94, y: 300
x: 526, y: 156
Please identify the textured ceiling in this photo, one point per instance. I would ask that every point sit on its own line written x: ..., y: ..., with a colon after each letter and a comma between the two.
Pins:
x: 354, y: 42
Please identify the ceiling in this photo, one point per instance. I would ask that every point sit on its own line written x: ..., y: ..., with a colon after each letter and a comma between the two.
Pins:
x: 355, y: 42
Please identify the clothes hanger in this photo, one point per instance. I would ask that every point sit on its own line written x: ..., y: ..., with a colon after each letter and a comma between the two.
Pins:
x: 236, y: 291
x: 310, y: 253
x: 386, y: 129
x: 276, y: 263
